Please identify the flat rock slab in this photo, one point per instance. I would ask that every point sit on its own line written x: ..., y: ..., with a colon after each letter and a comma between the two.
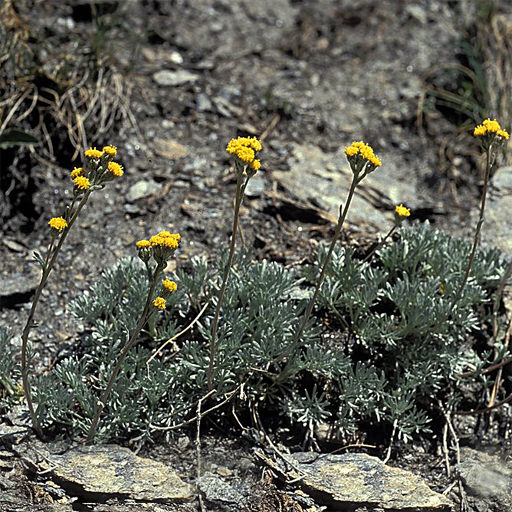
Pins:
x: 100, y: 472
x: 172, y: 78
x: 497, y: 228
x: 169, y: 148
x: 354, y: 480
x: 323, y: 179
x: 487, y: 478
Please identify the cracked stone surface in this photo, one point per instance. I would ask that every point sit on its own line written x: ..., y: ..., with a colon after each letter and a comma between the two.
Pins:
x: 97, y: 472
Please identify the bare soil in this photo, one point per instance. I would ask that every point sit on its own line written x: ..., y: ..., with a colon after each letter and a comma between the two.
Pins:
x: 321, y: 73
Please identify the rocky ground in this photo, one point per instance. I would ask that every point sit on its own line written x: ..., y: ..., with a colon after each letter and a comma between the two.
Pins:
x: 180, y: 79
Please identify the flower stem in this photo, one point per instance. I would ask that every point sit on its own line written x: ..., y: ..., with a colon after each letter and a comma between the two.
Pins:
x: 477, y: 233
x: 50, y: 262
x: 133, y: 338
x: 381, y: 243
x: 238, y: 202
x: 320, y: 280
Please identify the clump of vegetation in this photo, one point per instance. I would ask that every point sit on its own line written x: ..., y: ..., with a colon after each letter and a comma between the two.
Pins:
x: 391, y: 363
x: 410, y: 318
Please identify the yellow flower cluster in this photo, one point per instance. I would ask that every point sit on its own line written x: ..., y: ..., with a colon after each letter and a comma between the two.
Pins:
x: 143, y: 244
x: 82, y: 183
x: 77, y: 171
x: 159, y: 303
x: 58, y: 223
x: 110, y: 151
x: 99, y: 170
x: 490, y: 127
x: 115, y: 169
x: 165, y: 239
x: 245, y: 148
x: 169, y: 285
x: 161, y: 246
x: 402, y: 211
x: 93, y: 153
x: 364, y: 151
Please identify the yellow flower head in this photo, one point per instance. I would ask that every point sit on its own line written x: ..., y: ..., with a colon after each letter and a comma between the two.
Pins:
x: 492, y: 126
x: 77, y: 171
x: 110, y: 151
x: 402, y: 211
x: 351, y: 151
x: 169, y: 242
x: 168, y: 234
x: 245, y: 154
x: 143, y: 244
x: 251, y: 142
x: 245, y: 148
x: 115, y: 169
x: 362, y: 150
x: 93, y: 153
x: 58, y: 223
x: 480, y: 130
x: 488, y: 126
x: 169, y: 285
x: 81, y: 183
x: 490, y: 130
x: 503, y: 134
x: 255, y: 164
x: 159, y: 303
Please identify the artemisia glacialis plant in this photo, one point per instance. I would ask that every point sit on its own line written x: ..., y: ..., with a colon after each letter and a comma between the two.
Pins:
x: 362, y: 161
x: 155, y: 254
x: 492, y: 136
x: 244, y: 150
x: 371, y: 367
x: 404, y: 316
x: 99, y: 168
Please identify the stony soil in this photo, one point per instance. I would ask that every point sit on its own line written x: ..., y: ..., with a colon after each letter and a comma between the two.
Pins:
x: 319, y: 73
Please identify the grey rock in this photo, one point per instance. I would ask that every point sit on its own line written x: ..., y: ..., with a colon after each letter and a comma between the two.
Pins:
x: 217, y: 490
x: 353, y: 480
x: 502, y: 180
x: 169, y: 148
x: 417, y: 12
x: 173, y: 78
x: 323, y: 179
x: 131, y: 209
x: 13, y: 245
x: 203, y: 103
x: 175, y: 57
x: 497, y: 228
x: 13, y: 435
x: 256, y: 186
x: 359, y: 479
x: 142, y: 189
x: 19, y: 287
x: 486, y: 477
x: 108, y: 470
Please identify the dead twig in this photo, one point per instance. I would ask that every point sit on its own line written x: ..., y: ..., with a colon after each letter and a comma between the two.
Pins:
x: 388, y: 453
x: 229, y: 395
x: 170, y: 340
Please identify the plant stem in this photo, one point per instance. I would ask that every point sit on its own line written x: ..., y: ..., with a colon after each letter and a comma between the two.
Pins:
x: 30, y: 320
x: 133, y: 338
x: 477, y: 234
x: 320, y: 280
x: 380, y: 244
x: 238, y: 202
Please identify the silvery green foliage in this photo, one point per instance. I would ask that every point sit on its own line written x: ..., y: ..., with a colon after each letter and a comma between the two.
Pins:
x: 10, y: 370
x: 258, y: 321
x: 390, y: 352
x: 405, y: 345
